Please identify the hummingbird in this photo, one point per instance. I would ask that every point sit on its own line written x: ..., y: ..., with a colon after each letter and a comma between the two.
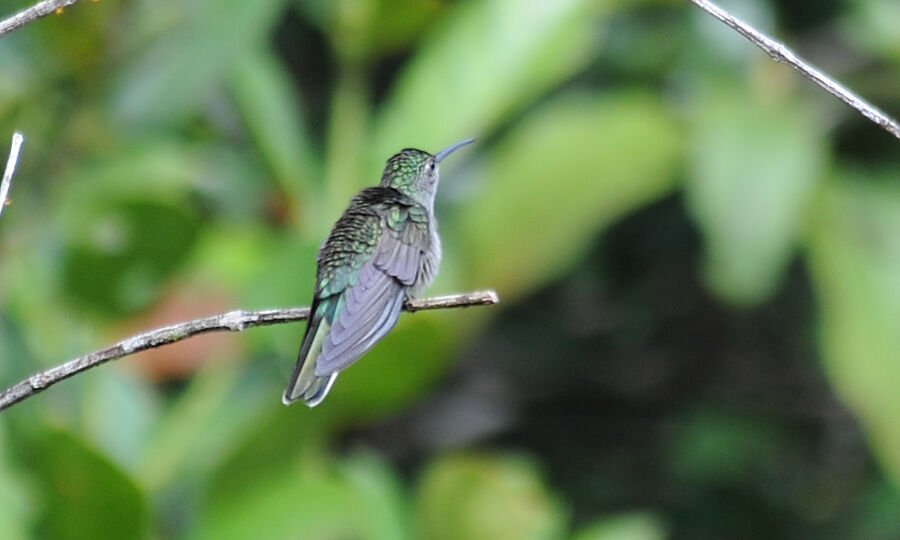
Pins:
x: 383, y: 250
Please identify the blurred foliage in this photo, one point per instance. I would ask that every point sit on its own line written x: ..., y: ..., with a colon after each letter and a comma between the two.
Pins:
x: 82, y: 494
x: 697, y: 252
x: 627, y: 527
x: 486, y: 497
x: 854, y: 257
x: 768, y: 168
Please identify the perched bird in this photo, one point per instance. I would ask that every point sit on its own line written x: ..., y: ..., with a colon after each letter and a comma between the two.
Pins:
x: 384, y: 249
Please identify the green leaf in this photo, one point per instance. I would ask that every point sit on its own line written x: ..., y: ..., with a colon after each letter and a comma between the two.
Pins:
x: 719, y: 447
x: 359, y: 498
x: 44, y: 331
x: 124, y: 252
x: 77, y: 39
x: 638, y: 526
x: 877, y: 516
x: 263, y: 451
x: 573, y: 166
x: 16, y: 504
x: 119, y: 407
x: 396, y: 23
x: 854, y: 258
x: 173, y: 75
x: 267, y: 100
x: 130, y: 222
x: 488, y: 60
x: 190, y: 436
x: 262, y: 268
x: 872, y: 26
x: 226, y: 178
x: 379, y: 489
x: 367, y: 29
x: 83, y: 494
x: 489, y: 497
x: 754, y: 165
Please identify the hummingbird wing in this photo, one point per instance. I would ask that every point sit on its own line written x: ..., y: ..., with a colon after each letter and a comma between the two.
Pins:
x: 370, y: 309
x: 365, y: 266
x: 372, y: 305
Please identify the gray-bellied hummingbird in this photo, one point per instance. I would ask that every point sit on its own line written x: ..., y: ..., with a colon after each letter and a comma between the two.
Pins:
x: 384, y: 249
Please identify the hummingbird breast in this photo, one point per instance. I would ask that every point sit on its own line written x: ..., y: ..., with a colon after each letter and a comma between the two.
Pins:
x: 431, y: 260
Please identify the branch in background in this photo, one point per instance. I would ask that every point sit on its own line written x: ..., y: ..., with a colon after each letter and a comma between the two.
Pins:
x: 780, y: 53
x: 28, y: 15
x: 233, y: 321
x: 17, y: 140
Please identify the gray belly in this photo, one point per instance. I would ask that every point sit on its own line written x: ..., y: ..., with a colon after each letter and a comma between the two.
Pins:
x: 428, y: 266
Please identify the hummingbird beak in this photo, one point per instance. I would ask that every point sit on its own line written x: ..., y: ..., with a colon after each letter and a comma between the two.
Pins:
x: 450, y: 149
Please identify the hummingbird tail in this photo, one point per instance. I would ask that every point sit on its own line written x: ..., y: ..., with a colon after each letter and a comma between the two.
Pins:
x: 304, y: 383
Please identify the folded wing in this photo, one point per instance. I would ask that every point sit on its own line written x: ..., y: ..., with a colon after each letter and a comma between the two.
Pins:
x: 371, y: 306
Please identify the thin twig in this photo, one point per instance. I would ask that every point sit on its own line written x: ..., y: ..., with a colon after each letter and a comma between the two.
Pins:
x: 780, y: 53
x: 35, y: 12
x: 233, y: 321
x: 17, y: 140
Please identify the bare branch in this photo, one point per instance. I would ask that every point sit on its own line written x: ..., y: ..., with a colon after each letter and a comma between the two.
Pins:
x: 780, y: 53
x: 233, y: 321
x: 17, y: 140
x: 28, y: 15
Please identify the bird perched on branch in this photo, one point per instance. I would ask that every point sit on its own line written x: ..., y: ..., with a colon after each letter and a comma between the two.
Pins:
x: 384, y: 249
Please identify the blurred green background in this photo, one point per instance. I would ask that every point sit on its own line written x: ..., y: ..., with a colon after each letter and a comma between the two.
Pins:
x: 697, y: 252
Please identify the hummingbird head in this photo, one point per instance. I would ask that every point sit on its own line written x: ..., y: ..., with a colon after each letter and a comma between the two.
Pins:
x: 415, y: 172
